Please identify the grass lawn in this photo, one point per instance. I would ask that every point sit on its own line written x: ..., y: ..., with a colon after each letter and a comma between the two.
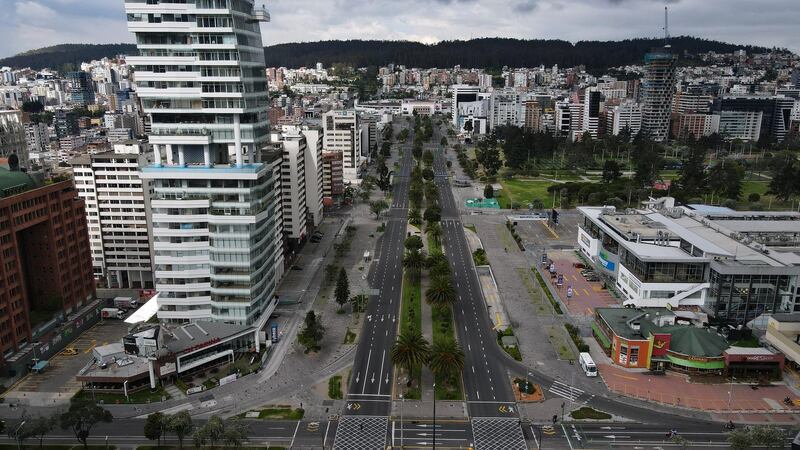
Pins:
x: 335, y: 387
x: 411, y: 320
x: 281, y: 414
x: 557, y: 337
x: 349, y: 336
x: 538, y: 301
x: 442, y: 324
x: 589, y: 413
x: 543, y: 284
x: 143, y: 396
x: 411, y: 317
x: 471, y: 227
x: 523, y: 192
x: 433, y: 246
x: 512, y: 351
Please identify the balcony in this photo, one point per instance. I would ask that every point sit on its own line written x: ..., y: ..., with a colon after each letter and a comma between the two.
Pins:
x: 261, y: 14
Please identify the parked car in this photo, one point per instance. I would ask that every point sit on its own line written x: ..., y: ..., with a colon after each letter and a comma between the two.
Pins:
x: 578, y: 265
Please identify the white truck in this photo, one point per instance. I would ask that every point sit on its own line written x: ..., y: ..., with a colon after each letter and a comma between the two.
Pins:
x: 125, y: 303
x: 112, y: 313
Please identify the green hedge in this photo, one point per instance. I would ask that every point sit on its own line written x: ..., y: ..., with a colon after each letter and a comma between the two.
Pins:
x: 543, y: 284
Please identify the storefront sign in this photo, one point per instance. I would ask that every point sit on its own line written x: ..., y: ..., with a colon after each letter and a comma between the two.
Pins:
x: 201, y: 345
x: 605, y: 261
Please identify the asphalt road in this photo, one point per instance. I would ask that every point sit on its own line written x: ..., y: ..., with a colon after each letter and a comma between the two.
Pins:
x: 370, y: 391
x: 486, y: 382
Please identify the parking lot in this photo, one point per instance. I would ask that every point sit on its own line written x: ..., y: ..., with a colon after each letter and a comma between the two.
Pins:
x: 561, y: 236
x: 586, y: 295
x: 57, y: 384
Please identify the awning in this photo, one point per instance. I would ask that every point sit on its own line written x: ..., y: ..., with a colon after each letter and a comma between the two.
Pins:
x: 40, y: 365
x: 145, y: 312
x: 705, y: 365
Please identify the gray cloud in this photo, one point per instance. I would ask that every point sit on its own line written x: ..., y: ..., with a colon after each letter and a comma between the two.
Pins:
x: 27, y: 24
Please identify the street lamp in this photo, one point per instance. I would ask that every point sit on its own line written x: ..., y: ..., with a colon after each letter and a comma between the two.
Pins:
x: 402, y: 400
x: 16, y: 434
x: 434, y: 416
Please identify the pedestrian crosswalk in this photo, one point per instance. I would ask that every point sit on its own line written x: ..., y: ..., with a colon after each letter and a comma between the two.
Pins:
x: 566, y: 391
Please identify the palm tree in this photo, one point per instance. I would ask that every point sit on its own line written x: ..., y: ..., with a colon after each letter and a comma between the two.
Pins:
x: 414, y: 217
x: 441, y: 292
x: 446, y: 359
x: 434, y: 231
x: 414, y: 262
x: 410, y: 350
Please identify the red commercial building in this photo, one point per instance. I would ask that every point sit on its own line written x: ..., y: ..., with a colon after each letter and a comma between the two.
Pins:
x: 45, y: 261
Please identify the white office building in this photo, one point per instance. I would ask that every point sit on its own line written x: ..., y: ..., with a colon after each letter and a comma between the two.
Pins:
x: 733, y: 266
x: 216, y: 212
x: 342, y: 134
x: 117, y: 209
x: 743, y: 125
x: 626, y: 115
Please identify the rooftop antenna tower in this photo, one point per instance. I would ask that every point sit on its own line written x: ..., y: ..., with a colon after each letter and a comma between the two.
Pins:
x: 666, y: 27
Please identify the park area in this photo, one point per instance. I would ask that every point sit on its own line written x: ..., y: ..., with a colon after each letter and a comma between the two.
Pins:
x: 519, y: 193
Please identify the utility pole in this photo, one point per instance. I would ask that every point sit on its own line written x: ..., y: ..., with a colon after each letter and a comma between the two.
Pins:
x: 434, y: 416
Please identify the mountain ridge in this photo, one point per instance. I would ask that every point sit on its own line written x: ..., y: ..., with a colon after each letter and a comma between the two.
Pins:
x: 474, y: 53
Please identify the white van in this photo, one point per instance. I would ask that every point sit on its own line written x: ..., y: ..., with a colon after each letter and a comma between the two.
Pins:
x: 587, y: 364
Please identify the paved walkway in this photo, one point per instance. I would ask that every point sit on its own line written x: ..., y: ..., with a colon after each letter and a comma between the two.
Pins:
x: 677, y: 390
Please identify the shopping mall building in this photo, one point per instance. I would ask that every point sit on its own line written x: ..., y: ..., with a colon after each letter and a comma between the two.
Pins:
x: 731, y: 266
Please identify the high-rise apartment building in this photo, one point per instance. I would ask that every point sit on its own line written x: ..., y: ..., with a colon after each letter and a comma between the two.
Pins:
x: 216, y: 212
x: 45, y: 262
x: 65, y: 122
x: 12, y: 136
x: 533, y: 116
x: 658, y: 90
x: 37, y: 136
x: 332, y: 178
x: 82, y: 93
x: 293, y: 147
x: 117, y: 208
x: 341, y: 134
x: 314, y: 173
x: 591, y: 111
x: 504, y: 105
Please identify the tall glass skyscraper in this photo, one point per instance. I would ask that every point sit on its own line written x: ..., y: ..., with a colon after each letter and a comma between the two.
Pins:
x: 658, y: 89
x: 216, y: 217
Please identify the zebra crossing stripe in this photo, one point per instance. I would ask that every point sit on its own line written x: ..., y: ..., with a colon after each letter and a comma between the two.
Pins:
x: 564, y: 390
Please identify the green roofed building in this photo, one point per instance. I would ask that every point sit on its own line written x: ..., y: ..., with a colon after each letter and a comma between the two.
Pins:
x: 658, y: 338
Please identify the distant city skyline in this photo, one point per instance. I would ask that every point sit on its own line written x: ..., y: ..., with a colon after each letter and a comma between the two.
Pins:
x: 39, y: 23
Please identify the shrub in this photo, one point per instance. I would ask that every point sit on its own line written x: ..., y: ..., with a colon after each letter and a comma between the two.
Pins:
x: 729, y: 203
x: 754, y: 197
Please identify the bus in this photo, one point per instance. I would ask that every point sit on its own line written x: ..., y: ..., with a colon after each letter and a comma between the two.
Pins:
x: 587, y: 364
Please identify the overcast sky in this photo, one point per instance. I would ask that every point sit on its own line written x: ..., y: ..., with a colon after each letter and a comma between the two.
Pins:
x: 28, y: 24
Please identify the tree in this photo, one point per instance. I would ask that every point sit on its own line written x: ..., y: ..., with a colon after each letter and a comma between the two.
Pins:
x: 488, y: 191
x: 725, y: 179
x: 785, y: 181
x: 414, y: 217
x: 312, y: 333
x: 468, y: 126
x: 415, y: 196
x: 488, y: 157
x: 647, y: 162
x: 427, y: 158
x: 692, y: 174
x: 446, y: 358
x: 82, y: 416
x: 413, y: 243
x: 612, y: 171
x: 21, y: 431
x: 432, y: 214
x: 342, y: 292
x: 680, y: 441
x: 768, y: 436
x: 235, y: 433
x: 377, y: 207
x: 180, y: 424
x: 210, y: 433
x: 41, y: 426
x: 434, y: 231
x: 740, y: 439
x: 414, y: 262
x: 431, y: 193
x: 441, y: 292
x: 154, y: 427
x: 409, y: 351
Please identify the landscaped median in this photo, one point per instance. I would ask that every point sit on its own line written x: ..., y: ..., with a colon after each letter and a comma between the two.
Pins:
x: 411, y: 323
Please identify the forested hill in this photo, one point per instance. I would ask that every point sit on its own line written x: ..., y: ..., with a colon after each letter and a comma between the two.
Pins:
x: 484, y: 53
x: 66, y: 56
x: 479, y: 53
